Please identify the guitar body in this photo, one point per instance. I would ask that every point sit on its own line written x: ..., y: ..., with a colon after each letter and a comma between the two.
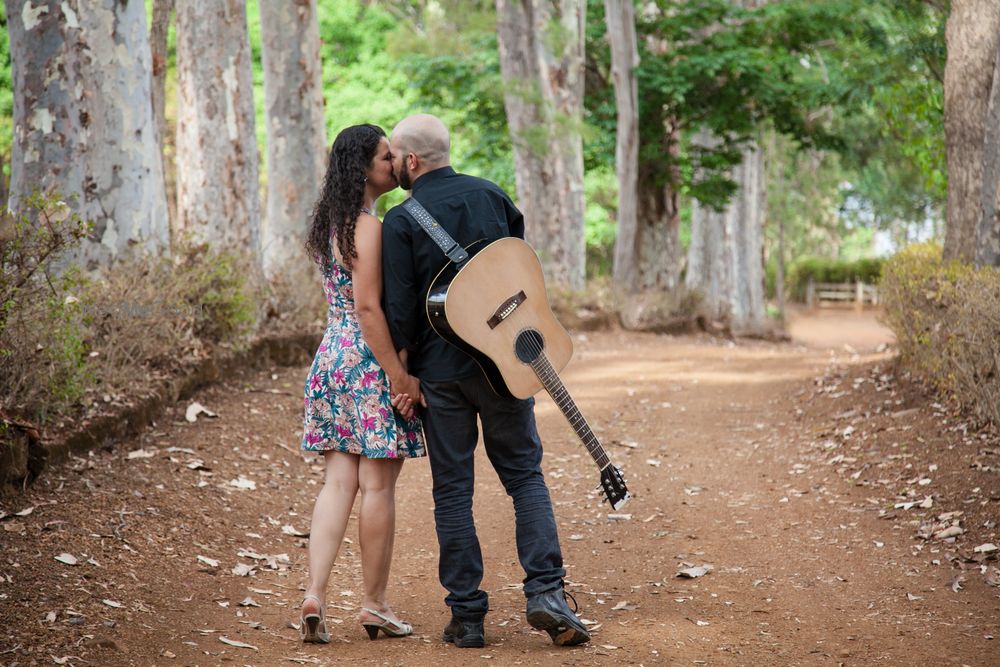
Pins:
x: 494, y: 307
x: 466, y: 308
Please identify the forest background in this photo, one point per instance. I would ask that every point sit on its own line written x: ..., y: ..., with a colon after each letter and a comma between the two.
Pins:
x: 677, y: 162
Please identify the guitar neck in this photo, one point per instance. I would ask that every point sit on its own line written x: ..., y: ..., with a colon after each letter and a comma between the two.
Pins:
x: 557, y: 390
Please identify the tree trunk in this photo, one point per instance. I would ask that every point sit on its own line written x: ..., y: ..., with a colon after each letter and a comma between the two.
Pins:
x: 972, y: 34
x: 709, y: 273
x: 541, y: 60
x: 218, y: 184
x: 620, y: 17
x: 988, y: 231
x: 83, y: 121
x: 123, y: 184
x: 296, y: 133
x: 46, y: 154
x: 747, y: 303
x: 158, y: 32
x: 726, y: 253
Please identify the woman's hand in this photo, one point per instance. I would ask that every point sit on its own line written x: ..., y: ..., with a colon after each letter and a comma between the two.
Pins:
x: 403, y: 404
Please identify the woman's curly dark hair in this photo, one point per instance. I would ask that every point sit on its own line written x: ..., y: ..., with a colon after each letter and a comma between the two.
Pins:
x: 342, y: 197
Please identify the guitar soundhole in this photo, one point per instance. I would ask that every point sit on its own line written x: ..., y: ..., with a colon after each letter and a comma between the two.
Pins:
x: 528, y: 346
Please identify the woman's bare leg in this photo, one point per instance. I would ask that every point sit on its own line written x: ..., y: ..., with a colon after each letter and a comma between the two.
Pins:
x: 329, y: 520
x: 377, y: 528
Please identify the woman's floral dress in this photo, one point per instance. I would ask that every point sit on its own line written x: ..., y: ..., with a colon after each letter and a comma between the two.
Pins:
x: 347, y: 400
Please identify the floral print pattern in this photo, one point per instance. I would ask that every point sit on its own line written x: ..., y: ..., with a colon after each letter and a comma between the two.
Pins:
x: 347, y: 400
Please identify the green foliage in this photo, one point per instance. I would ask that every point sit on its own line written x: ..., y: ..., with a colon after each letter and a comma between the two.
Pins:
x: 451, y: 62
x: 217, y: 291
x: 946, y: 318
x: 6, y: 96
x: 43, y: 368
x: 601, y: 195
x: 822, y: 270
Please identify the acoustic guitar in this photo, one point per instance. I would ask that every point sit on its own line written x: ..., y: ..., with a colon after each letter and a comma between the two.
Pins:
x: 494, y: 307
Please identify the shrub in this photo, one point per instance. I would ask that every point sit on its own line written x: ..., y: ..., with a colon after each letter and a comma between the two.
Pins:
x: 66, y: 338
x: 43, y: 368
x: 946, y: 317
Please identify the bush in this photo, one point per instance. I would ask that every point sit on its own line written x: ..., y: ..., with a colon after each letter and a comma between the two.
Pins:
x: 821, y: 270
x: 43, y: 368
x: 946, y: 317
x: 67, y: 339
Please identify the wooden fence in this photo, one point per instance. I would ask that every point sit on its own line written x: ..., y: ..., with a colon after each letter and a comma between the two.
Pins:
x: 858, y: 293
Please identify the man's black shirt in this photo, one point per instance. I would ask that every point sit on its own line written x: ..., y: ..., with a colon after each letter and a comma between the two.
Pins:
x: 469, y: 209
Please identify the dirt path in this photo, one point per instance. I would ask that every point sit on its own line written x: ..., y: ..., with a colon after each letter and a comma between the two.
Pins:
x: 780, y: 465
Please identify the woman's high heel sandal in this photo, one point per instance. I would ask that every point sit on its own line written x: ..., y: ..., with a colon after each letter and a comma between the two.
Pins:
x: 390, y: 627
x: 313, y: 628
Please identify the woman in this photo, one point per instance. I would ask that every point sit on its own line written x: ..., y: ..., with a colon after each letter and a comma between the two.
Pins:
x: 349, y: 410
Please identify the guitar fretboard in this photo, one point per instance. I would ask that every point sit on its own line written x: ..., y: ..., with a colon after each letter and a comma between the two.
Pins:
x: 557, y: 390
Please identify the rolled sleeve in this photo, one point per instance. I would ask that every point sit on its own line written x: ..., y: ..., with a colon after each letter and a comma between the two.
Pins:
x: 400, y: 297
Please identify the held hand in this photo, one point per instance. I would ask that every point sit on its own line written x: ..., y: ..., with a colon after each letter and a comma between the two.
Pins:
x: 410, y: 387
x: 403, y: 404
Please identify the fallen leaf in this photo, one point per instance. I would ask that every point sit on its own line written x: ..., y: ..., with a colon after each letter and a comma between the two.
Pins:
x: 50, y: 617
x: 249, y: 602
x: 141, y: 454
x: 912, y: 598
x: 289, y: 529
x: 195, y: 409
x: 987, y: 548
x: 956, y: 583
x: 237, y: 644
x: 26, y: 511
x: 624, y: 606
x: 69, y: 559
x: 694, y: 572
x: 242, y: 482
x: 620, y: 517
x: 211, y: 562
x: 243, y: 570
x: 951, y: 531
x: 112, y: 603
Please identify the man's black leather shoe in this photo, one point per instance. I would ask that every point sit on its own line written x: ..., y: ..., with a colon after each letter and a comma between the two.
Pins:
x: 464, y: 634
x: 548, y: 611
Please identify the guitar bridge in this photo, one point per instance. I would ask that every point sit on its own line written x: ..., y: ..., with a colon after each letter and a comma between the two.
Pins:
x: 506, y: 308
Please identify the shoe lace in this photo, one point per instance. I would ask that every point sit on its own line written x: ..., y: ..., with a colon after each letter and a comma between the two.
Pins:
x: 569, y: 596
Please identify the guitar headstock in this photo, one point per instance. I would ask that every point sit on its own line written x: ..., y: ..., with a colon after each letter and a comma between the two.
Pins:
x: 614, y: 487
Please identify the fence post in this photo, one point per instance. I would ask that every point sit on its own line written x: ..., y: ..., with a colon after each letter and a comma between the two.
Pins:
x: 810, y: 293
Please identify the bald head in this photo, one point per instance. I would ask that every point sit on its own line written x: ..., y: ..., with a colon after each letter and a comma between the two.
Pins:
x: 426, y: 137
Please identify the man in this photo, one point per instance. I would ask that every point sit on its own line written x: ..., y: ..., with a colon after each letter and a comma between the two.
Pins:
x: 455, y: 391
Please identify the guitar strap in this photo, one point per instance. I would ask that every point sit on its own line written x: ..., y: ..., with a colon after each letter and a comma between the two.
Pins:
x: 454, y: 252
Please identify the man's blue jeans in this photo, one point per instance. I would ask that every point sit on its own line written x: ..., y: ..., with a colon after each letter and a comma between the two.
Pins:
x: 515, y: 450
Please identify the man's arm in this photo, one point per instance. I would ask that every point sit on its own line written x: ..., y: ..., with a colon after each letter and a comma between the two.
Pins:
x: 515, y: 219
x: 400, y: 297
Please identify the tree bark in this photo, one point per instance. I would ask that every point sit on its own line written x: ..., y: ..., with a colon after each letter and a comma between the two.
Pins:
x: 46, y: 154
x: 988, y: 231
x: 541, y: 60
x: 123, y: 187
x: 296, y: 133
x: 158, y: 33
x: 83, y: 121
x: 218, y: 184
x: 972, y: 34
x: 620, y: 17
